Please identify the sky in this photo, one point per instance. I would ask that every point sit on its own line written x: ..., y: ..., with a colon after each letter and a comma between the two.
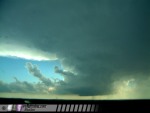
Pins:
x: 17, y: 68
x: 79, y: 49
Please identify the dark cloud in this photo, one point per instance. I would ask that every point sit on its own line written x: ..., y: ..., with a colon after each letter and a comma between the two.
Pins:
x: 33, y: 69
x: 101, y: 41
x: 82, y: 85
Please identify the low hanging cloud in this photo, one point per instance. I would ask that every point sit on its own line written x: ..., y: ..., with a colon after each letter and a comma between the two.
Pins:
x: 101, y: 41
x: 81, y: 85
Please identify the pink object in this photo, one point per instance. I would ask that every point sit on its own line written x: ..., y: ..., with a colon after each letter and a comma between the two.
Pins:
x: 19, y: 106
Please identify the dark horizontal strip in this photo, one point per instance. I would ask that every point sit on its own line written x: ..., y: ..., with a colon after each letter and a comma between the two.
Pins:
x: 55, y: 101
x: 103, y: 105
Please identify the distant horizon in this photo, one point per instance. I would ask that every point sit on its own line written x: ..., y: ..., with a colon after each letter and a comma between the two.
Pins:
x: 71, y: 97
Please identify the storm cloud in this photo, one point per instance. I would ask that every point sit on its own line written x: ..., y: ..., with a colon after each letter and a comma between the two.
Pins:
x: 97, y: 42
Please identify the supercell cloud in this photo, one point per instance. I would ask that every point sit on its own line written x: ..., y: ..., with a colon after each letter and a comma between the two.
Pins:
x: 99, y: 43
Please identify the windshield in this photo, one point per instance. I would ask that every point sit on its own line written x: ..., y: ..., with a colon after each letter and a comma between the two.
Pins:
x: 74, y: 49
